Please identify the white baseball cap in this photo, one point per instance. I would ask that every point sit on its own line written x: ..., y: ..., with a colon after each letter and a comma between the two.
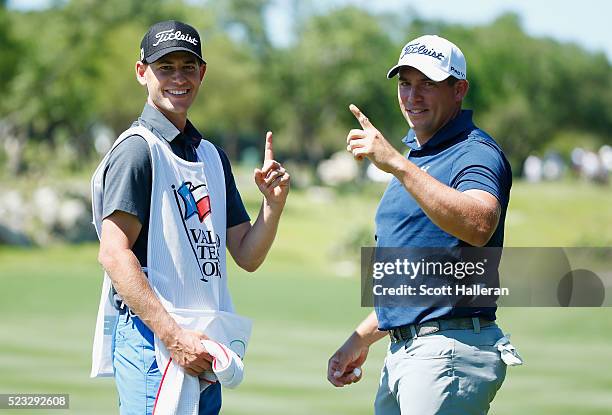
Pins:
x: 433, y: 55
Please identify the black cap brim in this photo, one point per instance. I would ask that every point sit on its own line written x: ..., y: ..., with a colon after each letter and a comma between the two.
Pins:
x: 161, y: 53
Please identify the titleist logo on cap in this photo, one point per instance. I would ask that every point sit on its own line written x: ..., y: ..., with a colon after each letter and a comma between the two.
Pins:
x: 422, y: 50
x: 171, y: 34
x: 446, y: 58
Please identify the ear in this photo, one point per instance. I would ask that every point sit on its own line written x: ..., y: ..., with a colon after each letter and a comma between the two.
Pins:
x: 461, y: 89
x: 140, y: 72
x: 202, y: 71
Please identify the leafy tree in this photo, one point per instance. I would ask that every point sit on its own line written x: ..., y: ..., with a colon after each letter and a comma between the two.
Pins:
x: 10, y: 47
x: 340, y: 58
x: 525, y: 90
x: 71, y: 67
x: 246, y: 20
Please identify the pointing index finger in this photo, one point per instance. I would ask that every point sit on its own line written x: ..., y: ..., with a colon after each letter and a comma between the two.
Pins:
x: 363, y: 120
x: 268, y: 153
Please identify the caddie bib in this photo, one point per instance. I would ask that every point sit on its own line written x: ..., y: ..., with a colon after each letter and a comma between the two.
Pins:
x: 187, y: 229
x: 186, y: 254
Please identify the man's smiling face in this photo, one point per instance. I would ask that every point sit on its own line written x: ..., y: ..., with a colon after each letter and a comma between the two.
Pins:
x: 173, y: 82
x: 428, y: 105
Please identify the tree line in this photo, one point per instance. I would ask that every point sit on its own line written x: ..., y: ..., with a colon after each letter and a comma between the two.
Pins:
x: 69, y: 69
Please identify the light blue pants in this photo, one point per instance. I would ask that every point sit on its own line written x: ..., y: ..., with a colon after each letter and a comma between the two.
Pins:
x: 454, y: 372
x: 136, y: 373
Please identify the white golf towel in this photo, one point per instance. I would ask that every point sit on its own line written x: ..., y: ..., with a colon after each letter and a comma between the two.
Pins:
x: 509, y: 354
x: 228, y: 334
x: 179, y: 393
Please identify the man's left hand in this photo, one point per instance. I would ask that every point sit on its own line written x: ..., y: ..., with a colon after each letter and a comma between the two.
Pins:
x: 369, y: 142
x: 272, y: 179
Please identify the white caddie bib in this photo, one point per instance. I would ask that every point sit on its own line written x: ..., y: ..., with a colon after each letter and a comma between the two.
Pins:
x: 186, y: 245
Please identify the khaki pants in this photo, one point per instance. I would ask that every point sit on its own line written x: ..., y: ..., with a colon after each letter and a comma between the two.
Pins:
x: 454, y: 372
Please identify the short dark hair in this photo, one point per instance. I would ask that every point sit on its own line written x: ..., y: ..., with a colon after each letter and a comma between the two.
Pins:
x: 452, y: 80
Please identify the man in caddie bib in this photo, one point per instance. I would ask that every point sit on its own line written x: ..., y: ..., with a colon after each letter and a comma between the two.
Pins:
x: 166, y: 207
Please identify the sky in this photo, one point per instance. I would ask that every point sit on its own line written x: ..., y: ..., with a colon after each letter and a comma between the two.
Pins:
x: 585, y: 22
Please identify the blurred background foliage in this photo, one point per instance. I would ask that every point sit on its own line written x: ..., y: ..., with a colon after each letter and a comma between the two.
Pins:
x: 67, y: 72
x: 67, y: 77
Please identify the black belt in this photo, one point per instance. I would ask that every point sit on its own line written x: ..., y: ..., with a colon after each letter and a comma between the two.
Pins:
x: 411, y: 331
x: 125, y: 310
x: 119, y: 304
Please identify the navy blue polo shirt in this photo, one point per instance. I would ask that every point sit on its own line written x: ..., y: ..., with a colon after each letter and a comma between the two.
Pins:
x: 463, y: 157
x: 128, y: 178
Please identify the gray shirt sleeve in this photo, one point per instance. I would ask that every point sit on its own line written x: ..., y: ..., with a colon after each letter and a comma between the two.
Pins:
x: 128, y: 179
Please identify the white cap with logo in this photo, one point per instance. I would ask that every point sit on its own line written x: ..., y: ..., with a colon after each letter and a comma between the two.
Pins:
x: 433, y: 55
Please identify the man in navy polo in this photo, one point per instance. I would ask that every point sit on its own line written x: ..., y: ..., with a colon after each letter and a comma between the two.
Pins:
x: 450, y: 190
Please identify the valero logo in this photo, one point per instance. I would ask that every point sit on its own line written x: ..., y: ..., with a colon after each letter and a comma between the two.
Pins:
x: 194, y: 202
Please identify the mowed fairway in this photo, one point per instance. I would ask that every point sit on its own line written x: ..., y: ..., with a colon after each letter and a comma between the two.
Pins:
x: 304, y: 301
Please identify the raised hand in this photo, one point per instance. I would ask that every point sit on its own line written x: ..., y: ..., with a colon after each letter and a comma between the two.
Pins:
x: 369, y: 142
x: 272, y: 179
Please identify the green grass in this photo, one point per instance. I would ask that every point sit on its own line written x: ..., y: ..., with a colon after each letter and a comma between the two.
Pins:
x: 304, y: 305
x: 559, y: 214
